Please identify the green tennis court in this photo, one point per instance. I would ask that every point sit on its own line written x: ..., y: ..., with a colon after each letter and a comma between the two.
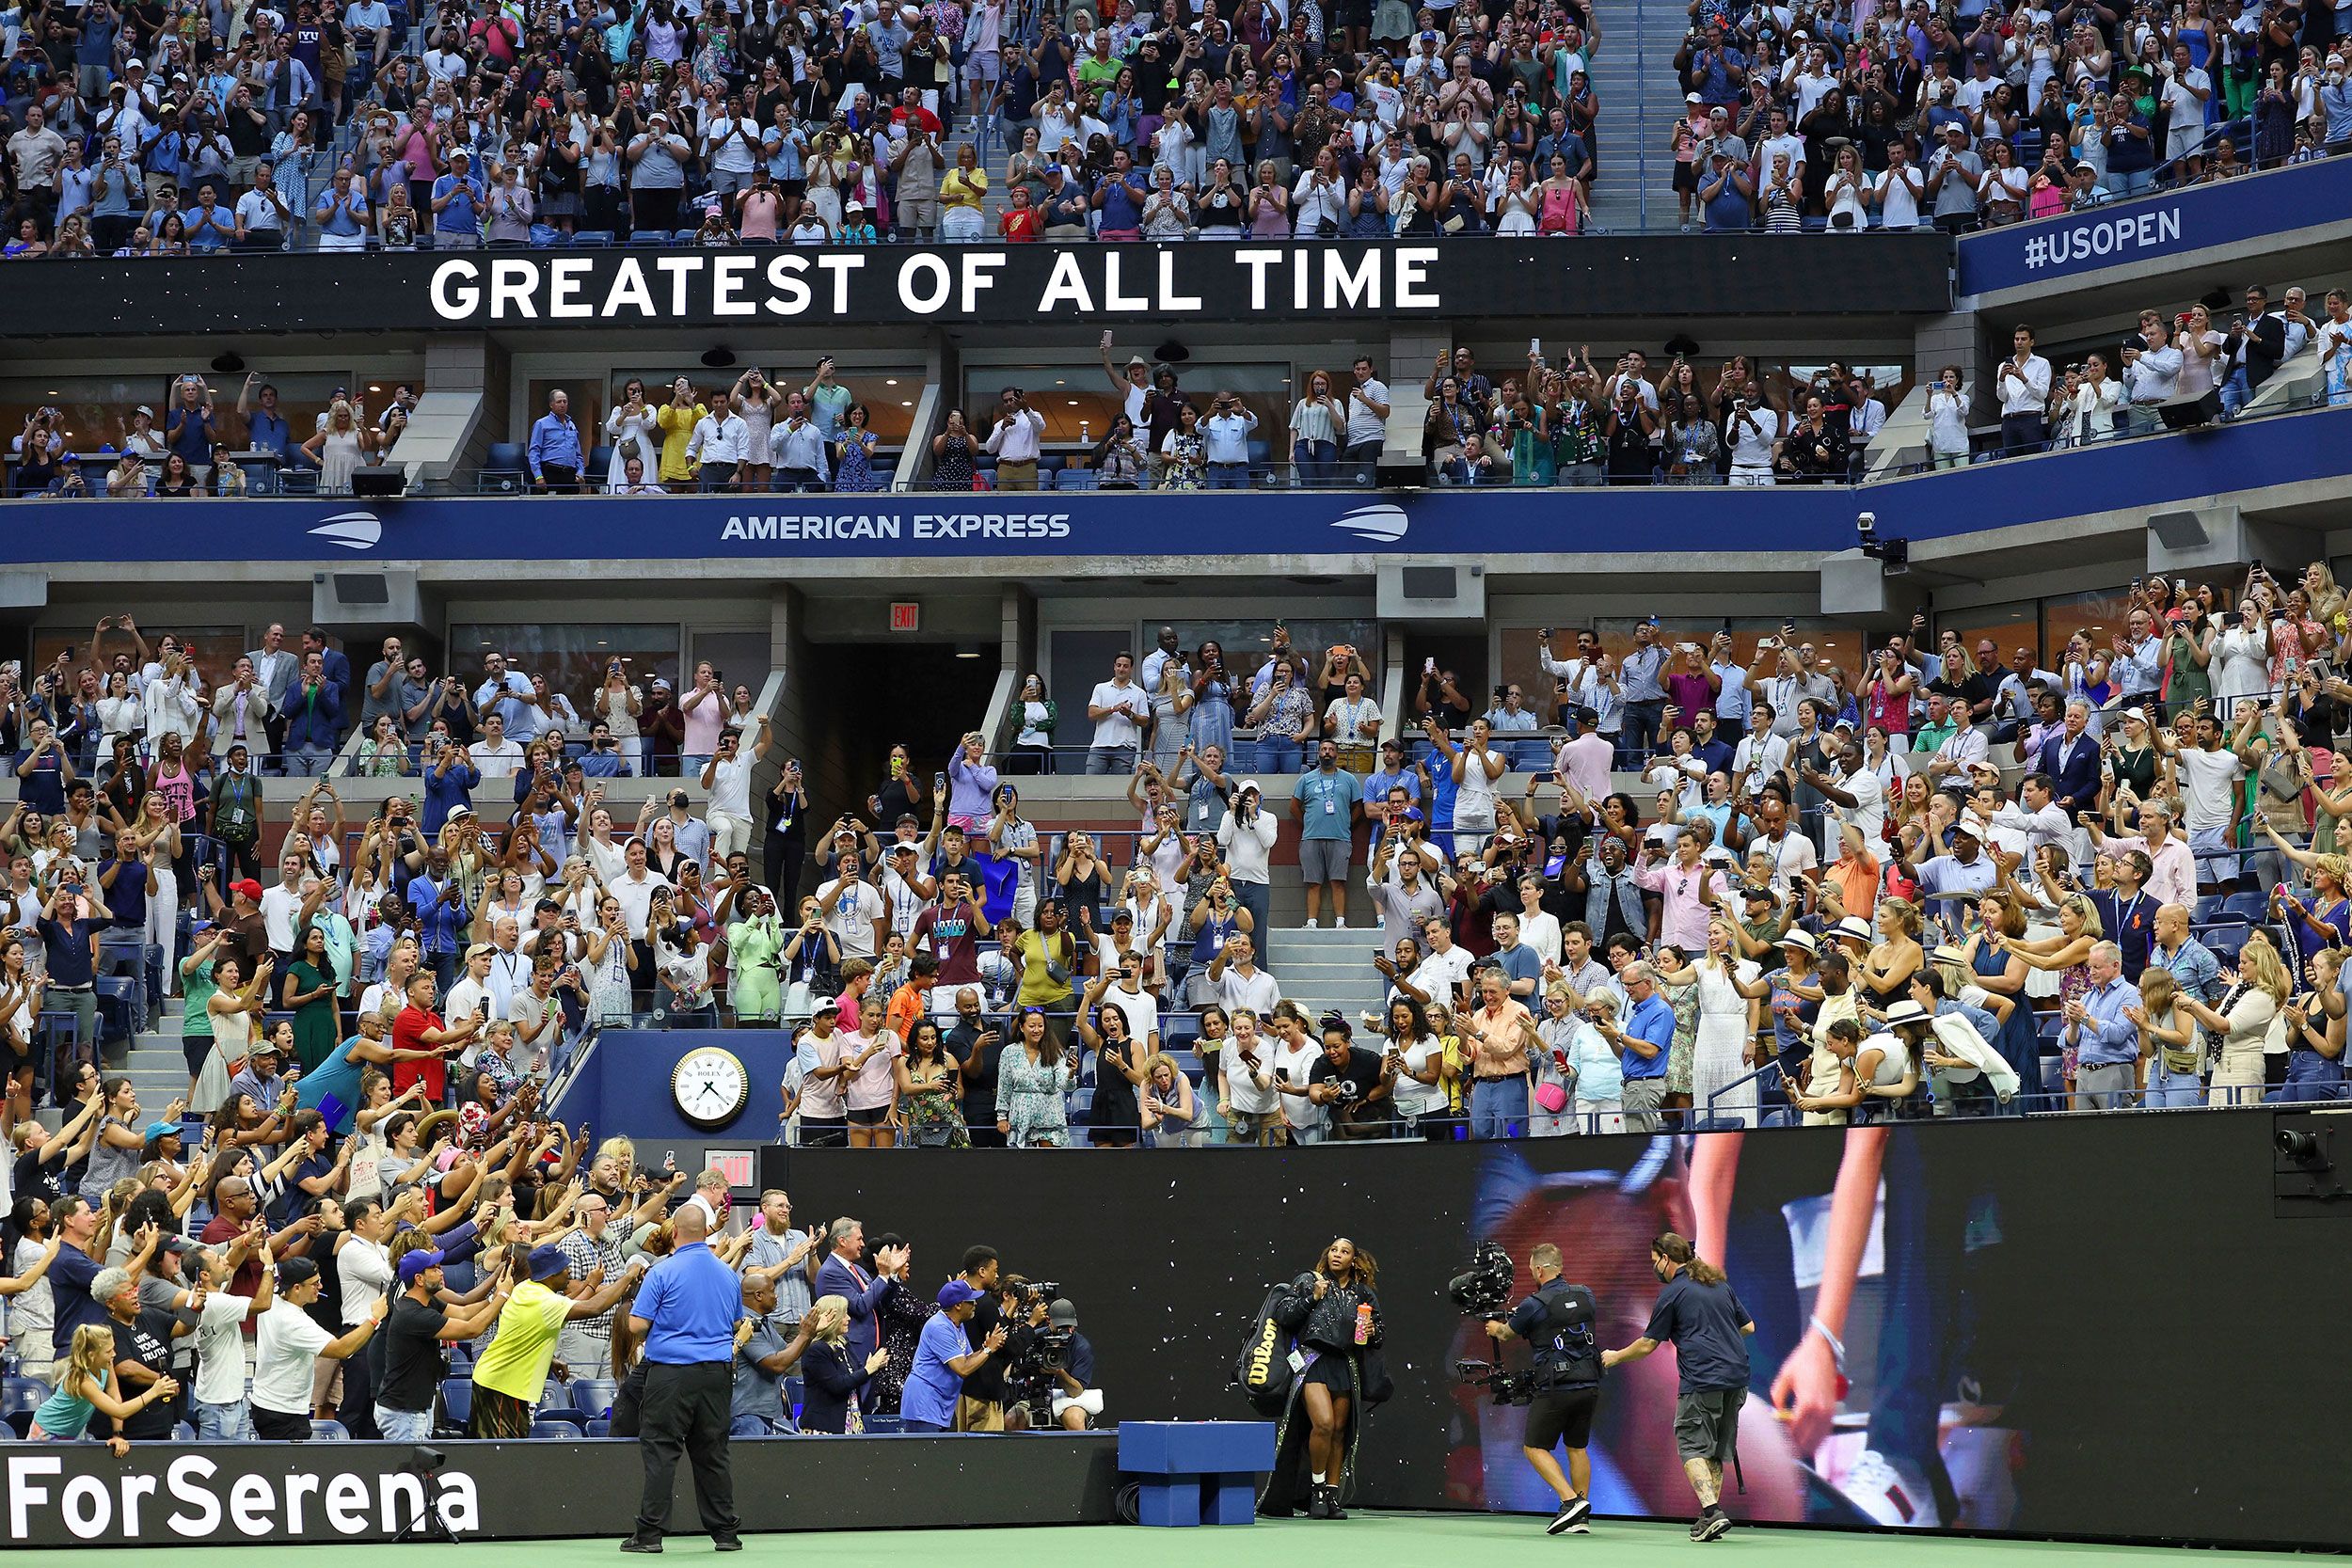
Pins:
x: 1489, y: 1541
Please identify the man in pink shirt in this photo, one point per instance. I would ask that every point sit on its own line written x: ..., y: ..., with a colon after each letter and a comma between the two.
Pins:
x: 1682, y: 913
x: 2173, y: 880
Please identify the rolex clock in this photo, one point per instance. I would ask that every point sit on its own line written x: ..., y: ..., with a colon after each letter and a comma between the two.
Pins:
x: 710, y: 1087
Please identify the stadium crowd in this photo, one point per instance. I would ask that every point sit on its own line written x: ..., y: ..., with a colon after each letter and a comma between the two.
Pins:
x: 477, y: 1286
x: 1569, y: 422
x: 130, y: 131
x: 958, y: 975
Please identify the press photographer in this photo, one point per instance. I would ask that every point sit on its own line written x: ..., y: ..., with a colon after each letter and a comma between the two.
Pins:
x: 1030, y: 1386
x: 1076, y: 1404
x: 1563, y: 1382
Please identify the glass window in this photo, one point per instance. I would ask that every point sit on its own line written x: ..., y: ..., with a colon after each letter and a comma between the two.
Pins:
x: 214, y: 649
x: 1837, y: 646
x: 98, y: 410
x: 889, y: 395
x: 1079, y: 403
x: 1247, y: 644
x: 2007, y: 626
x: 2096, y: 614
x: 573, y: 658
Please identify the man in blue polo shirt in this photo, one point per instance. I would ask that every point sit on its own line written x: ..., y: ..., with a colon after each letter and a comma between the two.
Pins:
x: 944, y: 1357
x: 1642, y: 1038
x: 689, y: 1313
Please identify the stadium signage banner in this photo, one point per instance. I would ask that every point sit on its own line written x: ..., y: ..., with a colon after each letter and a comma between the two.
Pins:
x: 2234, y: 211
x: 257, y: 1494
x: 964, y: 282
x: 842, y: 286
x: 542, y: 534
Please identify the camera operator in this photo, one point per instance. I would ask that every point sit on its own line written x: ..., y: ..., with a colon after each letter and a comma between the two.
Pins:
x: 1069, y: 1362
x: 1557, y: 1323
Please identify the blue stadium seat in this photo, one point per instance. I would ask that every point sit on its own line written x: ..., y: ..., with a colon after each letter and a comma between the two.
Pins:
x: 1051, y: 463
x: 650, y: 237
x: 593, y: 238
x: 2207, y: 911
x: 2225, y: 940
x: 458, y: 1399
x: 2249, y: 907
x: 594, y: 1397
x: 559, y: 1431
x: 329, y: 1432
x: 599, y: 1429
x: 683, y: 236
x: 19, y: 1398
x: 600, y: 462
x: 793, y: 1389
x: 562, y: 1416
x: 505, y: 472
x: 1077, y: 479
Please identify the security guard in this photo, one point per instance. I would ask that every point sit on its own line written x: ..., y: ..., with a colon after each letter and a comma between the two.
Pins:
x: 1557, y: 1322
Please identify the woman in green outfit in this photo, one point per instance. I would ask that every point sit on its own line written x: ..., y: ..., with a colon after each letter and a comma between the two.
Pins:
x: 930, y: 1098
x: 754, y: 949
x: 2188, y: 659
x: 310, y: 992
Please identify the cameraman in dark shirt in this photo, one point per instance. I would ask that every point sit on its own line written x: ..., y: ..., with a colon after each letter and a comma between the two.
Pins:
x: 1557, y: 1322
x: 1076, y: 1401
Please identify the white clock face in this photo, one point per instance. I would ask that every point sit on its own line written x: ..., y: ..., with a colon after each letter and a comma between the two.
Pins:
x: 709, y: 1087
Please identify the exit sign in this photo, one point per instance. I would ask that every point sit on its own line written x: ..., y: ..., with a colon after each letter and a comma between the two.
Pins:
x: 907, y: 616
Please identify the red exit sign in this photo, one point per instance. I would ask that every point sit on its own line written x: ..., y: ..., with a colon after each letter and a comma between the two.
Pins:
x: 906, y: 616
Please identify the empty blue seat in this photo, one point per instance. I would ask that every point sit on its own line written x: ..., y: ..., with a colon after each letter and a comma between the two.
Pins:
x: 2249, y: 907
x: 650, y: 237
x: 329, y: 1432
x: 458, y: 1399
x: 592, y: 237
x: 503, y: 471
x: 1051, y: 463
x: 599, y: 1429
x: 561, y: 1431
x: 594, y: 1397
x: 564, y: 1415
x: 684, y: 236
x: 1077, y: 479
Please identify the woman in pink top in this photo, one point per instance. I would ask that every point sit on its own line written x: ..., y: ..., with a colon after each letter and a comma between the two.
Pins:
x: 761, y: 208
x: 704, y: 710
x: 1564, y: 203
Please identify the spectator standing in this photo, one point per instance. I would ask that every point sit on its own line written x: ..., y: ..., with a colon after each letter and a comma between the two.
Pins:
x: 1016, y: 441
x: 1119, y: 709
x: 1326, y: 802
x: 691, y: 1319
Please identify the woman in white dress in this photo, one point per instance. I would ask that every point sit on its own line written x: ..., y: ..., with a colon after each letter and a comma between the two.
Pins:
x: 2244, y: 1021
x: 630, y: 429
x: 1515, y: 203
x: 235, y: 1008
x: 1718, y: 1053
x: 2241, y: 660
x: 339, y: 449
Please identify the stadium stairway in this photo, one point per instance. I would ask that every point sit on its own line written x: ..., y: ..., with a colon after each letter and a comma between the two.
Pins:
x: 1640, y: 101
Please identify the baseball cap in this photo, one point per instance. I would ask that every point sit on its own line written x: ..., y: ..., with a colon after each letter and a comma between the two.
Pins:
x: 1062, y: 1313
x: 955, y: 1293
x: 414, y: 1263
x: 547, y: 1261
x: 265, y: 1046
x: 824, y: 1004
x: 248, y: 887
x: 1249, y: 786
x: 1692, y: 97
x: 295, y: 1270
x: 162, y: 1130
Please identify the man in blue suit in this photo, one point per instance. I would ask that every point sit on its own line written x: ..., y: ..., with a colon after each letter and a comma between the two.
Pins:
x: 841, y: 1276
x: 2071, y: 758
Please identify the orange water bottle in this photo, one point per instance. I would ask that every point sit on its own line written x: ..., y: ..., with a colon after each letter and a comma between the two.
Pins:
x: 1364, y: 1324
